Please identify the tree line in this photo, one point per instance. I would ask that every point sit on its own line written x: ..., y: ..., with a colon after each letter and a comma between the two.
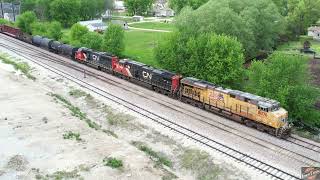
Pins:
x: 214, y: 38
x: 67, y: 12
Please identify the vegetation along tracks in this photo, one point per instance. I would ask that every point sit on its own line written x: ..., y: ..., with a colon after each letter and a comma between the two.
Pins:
x: 206, y: 141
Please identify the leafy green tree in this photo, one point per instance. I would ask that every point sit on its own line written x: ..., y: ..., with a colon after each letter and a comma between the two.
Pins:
x: 25, y: 20
x: 42, y: 9
x: 301, y: 15
x: 113, y: 40
x: 65, y: 11
x: 77, y: 31
x: 215, y: 58
x: 255, y: 23
x: 286, y: 78
x: 92, y: 40
x: 178, y: 5
x: 28, y: 5
x: 55, y: 30
x: 138, y: 7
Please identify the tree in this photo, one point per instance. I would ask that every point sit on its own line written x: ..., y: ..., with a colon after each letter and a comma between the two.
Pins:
x: 301, y: 15
x: 42, y: 9
x: 113, y: 40
x: 211, y: 57
x: 55, y: 30
x: 28, y: 5
x: 25, y: 20
x: 286, y: 78
x: 138, y: 7
x: 255, y: 23
x: 77, y: 32
x: 178, y: 5
x: 65, y: 11
x: 92, y: 40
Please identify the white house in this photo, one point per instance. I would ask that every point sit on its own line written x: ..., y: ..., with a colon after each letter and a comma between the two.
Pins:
x: 94, y: 25
x: 314, y: 32
x: 119, y: 6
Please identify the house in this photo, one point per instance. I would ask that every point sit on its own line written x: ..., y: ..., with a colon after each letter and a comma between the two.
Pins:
x: 9, y: 11
x: 165, y: 12
x: 161, y: 9
x: 94, y: 25
x: 119, y: 6
x: 314, y: 32
x: 137, y: 18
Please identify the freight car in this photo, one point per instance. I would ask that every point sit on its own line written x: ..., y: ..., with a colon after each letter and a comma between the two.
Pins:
x: 251, y: 110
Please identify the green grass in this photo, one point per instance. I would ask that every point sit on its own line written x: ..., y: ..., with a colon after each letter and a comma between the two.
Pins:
x: 295, y: 46
x: 20, y: 66
x: 154, y: 25
x: 158, y: 157
x: 113, y: 162
x: 72, y: 135
x: 139, y: 45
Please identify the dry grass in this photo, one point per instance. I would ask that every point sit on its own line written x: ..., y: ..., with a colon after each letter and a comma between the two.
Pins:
x: 200, y: 163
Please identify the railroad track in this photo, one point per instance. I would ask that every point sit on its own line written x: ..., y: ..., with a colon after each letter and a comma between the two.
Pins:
x: 305, y: 144
x: 308, y: 161
x: 243, y: 158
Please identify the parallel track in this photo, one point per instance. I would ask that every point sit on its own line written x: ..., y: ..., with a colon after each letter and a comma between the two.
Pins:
x: 246, y: 159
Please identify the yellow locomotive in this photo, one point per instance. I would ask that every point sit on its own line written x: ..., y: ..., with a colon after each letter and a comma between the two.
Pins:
x: 254, y: 111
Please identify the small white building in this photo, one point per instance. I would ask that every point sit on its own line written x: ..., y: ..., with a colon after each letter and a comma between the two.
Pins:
x: 94, y: 25
x: 137, y: 18
x: 314, y: 32
x: 166, y: 12
x: 119, y: 6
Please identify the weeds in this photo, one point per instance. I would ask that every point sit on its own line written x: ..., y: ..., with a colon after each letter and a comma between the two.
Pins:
x: 72, y: 135
x: 200, y: 163
x: 159, y: 158
x: 109, y: 132
x: 77, y: 93
x: 21, y: 66
x: 75, y: 111
x: 116, y: 119
x: 112, y: 162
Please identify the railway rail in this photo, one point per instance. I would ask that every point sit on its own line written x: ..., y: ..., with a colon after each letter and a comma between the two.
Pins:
x: 292, y: 154
x: 241, y: 157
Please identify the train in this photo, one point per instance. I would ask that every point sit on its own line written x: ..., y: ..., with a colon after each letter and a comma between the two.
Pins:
x: 254, y: 111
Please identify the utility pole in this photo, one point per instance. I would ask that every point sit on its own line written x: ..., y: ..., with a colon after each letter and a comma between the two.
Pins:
x: 13, y: 12
x: 2, y: 10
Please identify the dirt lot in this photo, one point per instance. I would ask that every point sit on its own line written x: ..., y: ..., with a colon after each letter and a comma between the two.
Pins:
x: 315, y: 71
x: 53, y: 129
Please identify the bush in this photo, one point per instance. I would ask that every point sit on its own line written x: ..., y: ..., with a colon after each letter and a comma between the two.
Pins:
x: 55, y: 30
x: 92, y: 40
x: 112, y: 162
x: 25, y: 21
x: 113, y: 40
x: 77, y: 32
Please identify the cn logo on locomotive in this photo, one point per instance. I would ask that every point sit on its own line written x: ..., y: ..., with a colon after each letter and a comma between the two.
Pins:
x: 146, y: 75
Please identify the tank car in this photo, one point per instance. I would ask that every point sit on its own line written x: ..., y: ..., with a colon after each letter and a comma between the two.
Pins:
x: 55, y: 47
x: 36, y: 40
x: 45, y: 43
